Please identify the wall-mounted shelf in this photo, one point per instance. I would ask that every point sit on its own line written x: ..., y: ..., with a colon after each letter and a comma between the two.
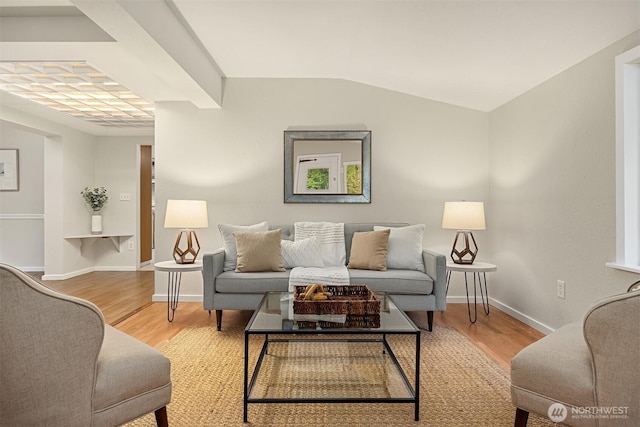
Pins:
x: 87, y: 240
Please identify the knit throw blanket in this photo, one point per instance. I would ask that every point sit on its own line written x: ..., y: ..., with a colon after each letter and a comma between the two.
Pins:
x: 303, y: 276
x: 334, y: 256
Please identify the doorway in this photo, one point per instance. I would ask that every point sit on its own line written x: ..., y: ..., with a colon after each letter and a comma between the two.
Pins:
x: 147, y: 220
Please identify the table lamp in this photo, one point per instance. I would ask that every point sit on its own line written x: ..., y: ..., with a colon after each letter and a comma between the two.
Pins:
x: 464, y: 217
x: 186, y: 215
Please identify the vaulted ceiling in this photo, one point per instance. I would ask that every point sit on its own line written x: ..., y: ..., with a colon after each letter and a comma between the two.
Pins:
x: 477, y: 54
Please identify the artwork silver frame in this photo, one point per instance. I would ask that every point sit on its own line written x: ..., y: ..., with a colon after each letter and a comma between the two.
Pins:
x: 320, y: 136
x: 9, y: 169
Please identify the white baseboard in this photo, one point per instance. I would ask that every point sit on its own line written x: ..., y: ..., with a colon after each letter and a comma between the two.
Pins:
x: 31, y: 269
x: 522, y: 317
x: 527, y: 320
x: 183, y: 298
x: 456, y: 300
x: 71, y: 274
x: 116, y: 268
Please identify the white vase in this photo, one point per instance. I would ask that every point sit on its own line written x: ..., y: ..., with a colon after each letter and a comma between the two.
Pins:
x: 96, y: 224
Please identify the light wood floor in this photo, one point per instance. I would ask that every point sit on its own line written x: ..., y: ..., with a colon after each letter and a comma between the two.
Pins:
x: 125, y: 301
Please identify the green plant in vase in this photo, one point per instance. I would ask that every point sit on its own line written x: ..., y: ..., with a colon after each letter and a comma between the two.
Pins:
x: 96, y: 198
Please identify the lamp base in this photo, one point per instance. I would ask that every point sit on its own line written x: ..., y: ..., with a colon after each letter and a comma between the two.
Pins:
x: 464, y: 254
x: 188, y: 240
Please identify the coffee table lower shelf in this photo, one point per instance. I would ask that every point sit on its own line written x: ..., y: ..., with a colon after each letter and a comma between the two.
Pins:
x: 330, y: 366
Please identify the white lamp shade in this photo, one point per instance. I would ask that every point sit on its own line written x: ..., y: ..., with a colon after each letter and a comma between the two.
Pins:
x: 463, y: 216
x: 186, y: 214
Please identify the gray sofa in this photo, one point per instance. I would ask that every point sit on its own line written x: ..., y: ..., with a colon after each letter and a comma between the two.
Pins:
x: 412, y: 290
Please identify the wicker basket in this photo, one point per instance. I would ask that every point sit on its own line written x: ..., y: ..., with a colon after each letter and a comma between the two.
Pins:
x: 347, y: 299
x: 353, y: 321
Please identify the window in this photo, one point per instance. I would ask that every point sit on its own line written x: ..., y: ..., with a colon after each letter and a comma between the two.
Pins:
x: 628, y: 161
x: 352, y: 177
x: 317, y: 173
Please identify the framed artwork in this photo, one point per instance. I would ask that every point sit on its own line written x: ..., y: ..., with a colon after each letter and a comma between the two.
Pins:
x: 9, y: 169
x: 327, y: 166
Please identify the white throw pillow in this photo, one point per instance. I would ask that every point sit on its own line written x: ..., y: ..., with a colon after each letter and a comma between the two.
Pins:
x: 302, y: 253
x: 229, y: 242
x: 405, y: 247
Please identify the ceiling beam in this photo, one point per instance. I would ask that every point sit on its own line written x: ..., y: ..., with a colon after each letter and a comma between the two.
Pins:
x: 51, y: 29
x: 151, y: 32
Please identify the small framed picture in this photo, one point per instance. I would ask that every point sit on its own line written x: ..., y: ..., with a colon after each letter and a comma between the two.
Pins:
x: 9, y: 169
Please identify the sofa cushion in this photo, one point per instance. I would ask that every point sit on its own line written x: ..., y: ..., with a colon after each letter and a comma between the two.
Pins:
x: 252, y: 283
x: 390, y: 281
x: 405, y: 247
x: 302, y: 253
x: 393, y: 281
x: 229, y: 242
x: 369, y: 250
x: 259, y: 251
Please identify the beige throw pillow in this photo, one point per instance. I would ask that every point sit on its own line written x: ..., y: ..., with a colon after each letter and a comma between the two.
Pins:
x: 229, y: 242
x: 369, y: 250
x: 259, y: 251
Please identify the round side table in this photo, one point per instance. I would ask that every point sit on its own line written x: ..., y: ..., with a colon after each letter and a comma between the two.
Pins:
x: 479, y: 271
x: 175, y: 271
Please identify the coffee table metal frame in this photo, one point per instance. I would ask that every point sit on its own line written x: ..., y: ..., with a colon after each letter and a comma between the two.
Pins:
x: 377, y: 335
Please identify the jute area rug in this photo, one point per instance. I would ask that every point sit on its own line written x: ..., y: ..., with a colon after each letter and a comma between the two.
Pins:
x: 460, y: 386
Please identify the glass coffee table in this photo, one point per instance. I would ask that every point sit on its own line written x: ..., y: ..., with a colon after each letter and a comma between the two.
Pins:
x: 331, y: 358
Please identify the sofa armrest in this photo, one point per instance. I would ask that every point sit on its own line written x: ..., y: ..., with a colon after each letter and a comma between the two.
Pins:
x: 435, y: 265
x: 212, y: 266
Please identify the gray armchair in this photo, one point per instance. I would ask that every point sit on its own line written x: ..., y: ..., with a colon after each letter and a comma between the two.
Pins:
x: 591, y: 368
x: 60, y: 365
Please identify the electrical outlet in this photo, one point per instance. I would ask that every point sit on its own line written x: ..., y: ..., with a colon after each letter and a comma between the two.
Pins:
x: 131, y: 246
x: 126, y: 197
x: 560, y: 288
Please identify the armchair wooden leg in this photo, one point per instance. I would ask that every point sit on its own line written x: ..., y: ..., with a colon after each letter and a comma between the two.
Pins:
x: 430, y: 320
x: 522, y: 417
x: 219, y: 319
x: 161, y: 417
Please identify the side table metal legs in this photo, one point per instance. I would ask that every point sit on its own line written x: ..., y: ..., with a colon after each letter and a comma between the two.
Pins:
x: 478, y: 279
x: 479, y: 271
x: 173, y: 293
x: 174, y: 278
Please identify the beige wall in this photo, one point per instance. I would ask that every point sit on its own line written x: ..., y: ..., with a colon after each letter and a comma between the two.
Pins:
x: 553, y: 193
x: 116, y: 168
x: 22, y: 212
x: 70, y: 160
x: 544, y: 164
x: 423, y: 154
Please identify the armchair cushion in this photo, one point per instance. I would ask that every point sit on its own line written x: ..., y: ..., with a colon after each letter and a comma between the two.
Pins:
x: 130, y: 375
x: 553, y: 372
